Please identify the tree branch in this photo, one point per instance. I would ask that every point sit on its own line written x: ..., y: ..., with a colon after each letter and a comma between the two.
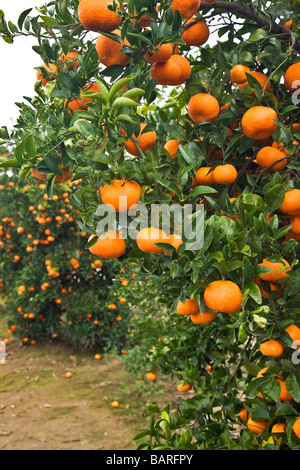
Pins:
x: 258, y: 18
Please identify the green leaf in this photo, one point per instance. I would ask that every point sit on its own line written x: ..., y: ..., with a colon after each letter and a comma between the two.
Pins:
x: 275, y: 196
x: 258, y: 35
x: 29, y: 146
x: 124, y: 102
x: 202, y: 190
x: 189, y: 156
x: 254, y: 292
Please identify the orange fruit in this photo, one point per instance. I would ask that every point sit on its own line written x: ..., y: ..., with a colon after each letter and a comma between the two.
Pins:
x: 187, y: 8
x: 95, y: 16
x: 294, y: 332
x: 261, y: 78
x: 278, y: 428
x: 223, y: 296
x: 292, y: 77
x: 115, y: 404
x: 225, y: 174
x: 145, y: 142
x: 204, y: 176
x: 203, y: 318
x: 284, y: 394
x: 258, y: 122
x: 203, y: 107
x: 172, y: 146
x: 183, y: 387
x: 244, y: 415
x: 163, y: 54
x: 269, y: 155
x: 68, y: 375
x: 109, y: 245
x: 151, y: 376
x: 52, y: 69
x: 256, y: 426
x: 188, y: 307
x: 238, y: 73
x: 271, y: 348
x: 121, y: 194
x: 74, y: 104
x: 197, y: 34
x: 274, y: 276
x: 148, y: 237
x: 97, y: 356
x: 295, y: 223
x: 174, y: 71
x: 291, y: 202
x: 296, y: 427
x: 175, y: 240
x: 108, y: 50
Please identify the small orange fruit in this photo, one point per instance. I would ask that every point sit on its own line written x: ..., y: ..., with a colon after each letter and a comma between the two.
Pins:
x: 151, y: 376
x: 109, y: 245
x: 183, y: 387
x: 274, y: 276
x: 291, y: 202
x: 203, y: 318
x: 256, y: 426
x: 188, y: 307
x: 258, y: 122
x: 197, y: 34
x: 115, y: 404
x: 203, y: 107
x: 238, y: 73
x: 121, y: 194
x: 94, y: 15
x: 148, y: 237
x: 225, y: 174
x: 271, y: 348
x: 223, y: 296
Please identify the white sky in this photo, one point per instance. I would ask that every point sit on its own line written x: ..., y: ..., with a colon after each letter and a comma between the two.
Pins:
x: 17, y: 60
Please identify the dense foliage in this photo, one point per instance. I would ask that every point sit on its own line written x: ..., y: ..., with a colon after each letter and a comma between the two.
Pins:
x: 248, y: 220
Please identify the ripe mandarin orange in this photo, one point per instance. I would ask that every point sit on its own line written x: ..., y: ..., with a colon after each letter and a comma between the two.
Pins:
x: 258, y: 122
x: 197, y: 34
x: 182, y: 387
x: 172, y: 146
x: 257, y: 427
x: 291, y: 202
x: 292, y: 77
x: 223, y: 296
x: 148, y: 237
x: 261, y: 78
x: 163, y: 54
x: 121, y: 194
x: 271, y: 348
x: 109, y: 245
x: 274, y: 276
x: 203, y: 107
x: 204, y: 176
x: 174, y: 71
x: 296, y: 427
x: 151, y: 376
x: 108, y: 50
x: 187, y: 8
x: 94, y: 15
x: 238, y: 73
x: 144, y: 141
x: 269, y: 155
x: 188, y: 307
x: 203, y: 318
x: 225, y: 174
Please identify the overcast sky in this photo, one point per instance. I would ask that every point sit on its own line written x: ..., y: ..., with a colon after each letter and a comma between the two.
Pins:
x: 17, y: 60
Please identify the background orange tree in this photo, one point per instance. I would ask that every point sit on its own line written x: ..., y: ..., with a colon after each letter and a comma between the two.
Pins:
x: 188, y: 126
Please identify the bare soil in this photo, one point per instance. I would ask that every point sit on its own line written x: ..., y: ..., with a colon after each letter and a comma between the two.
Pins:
x: 40, y: 409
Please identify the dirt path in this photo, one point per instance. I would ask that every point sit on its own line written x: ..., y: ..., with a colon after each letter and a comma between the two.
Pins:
x: 42, y: 410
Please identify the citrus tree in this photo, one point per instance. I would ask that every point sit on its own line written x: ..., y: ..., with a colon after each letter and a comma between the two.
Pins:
x: 52, y: 287
x: 185, y: 103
